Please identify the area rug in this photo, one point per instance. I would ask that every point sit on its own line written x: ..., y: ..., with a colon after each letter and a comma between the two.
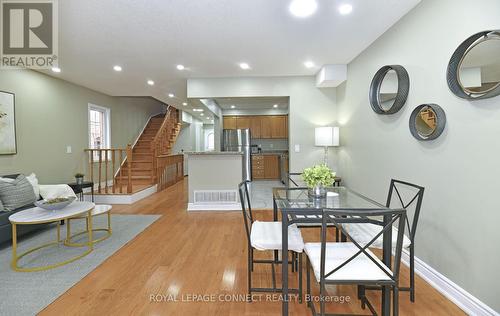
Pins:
x: 27, y: 293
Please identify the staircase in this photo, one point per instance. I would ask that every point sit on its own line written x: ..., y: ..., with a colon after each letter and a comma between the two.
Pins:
x: 429, y: 118
x: 158, y: 138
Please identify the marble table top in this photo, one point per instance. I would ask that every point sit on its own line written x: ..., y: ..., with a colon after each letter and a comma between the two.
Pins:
x: 37, y: 215
x: 98, y: 210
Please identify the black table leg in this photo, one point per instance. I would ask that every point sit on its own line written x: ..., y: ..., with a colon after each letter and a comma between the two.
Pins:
x: 386, y: 257
x: 284, y: 258
x: 275, y: 218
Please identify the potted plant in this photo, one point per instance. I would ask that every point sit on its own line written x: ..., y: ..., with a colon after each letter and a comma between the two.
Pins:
x: 317, y: 178
x: 79, y: 178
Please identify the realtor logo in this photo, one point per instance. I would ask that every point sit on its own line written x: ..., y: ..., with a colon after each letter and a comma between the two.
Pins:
x: 29, y: 37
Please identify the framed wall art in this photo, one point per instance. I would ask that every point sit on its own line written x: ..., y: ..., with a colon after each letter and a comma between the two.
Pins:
x: 8, y: 144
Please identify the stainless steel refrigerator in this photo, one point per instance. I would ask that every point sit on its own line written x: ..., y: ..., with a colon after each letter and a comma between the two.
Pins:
x: 238, y: 140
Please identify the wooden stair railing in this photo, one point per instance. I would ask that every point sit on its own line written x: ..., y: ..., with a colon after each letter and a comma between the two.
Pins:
x: 164, y: 140
x: 169, y: 171
x: 111, y: 159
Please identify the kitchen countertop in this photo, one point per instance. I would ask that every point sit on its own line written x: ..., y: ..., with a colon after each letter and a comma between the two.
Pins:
x: 273, y: 152
x: 220, y: 153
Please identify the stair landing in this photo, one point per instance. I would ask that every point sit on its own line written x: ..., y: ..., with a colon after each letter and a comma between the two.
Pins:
x: 135, y: 188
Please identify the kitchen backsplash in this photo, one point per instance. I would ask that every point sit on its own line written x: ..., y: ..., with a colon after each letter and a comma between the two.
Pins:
x: 271, y: 144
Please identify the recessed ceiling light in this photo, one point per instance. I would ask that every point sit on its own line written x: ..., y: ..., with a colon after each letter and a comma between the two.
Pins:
x: 171, y: 95
x: 117, y: 68
x: 208, y: 118
x: 309, y: 64
x: 180, y: 67
x: 275, y: 106
x: 233, y: 106
x: 56, y: 69
x: 244, y: 66
x: 197, y: 110
x: 345, y: 9
x: 201, y: 114
x: 184, y: 103
x: 303, y: 8
x: 151, y: 82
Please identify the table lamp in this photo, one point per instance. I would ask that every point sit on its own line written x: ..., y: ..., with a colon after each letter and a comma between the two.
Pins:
x: 326, y: 136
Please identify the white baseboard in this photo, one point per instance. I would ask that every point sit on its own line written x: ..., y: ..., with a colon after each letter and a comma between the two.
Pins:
x: 214, y: 207
x: 121, y: 198
x: 463, y: 299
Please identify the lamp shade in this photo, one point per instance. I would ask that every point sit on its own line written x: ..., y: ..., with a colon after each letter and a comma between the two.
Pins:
x: 327, y: 136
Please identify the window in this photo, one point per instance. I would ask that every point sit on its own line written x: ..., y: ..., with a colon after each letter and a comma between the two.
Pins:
x: 99, y: 128
x: 209, y: 144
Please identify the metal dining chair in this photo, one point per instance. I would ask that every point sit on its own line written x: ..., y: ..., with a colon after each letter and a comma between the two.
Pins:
x: 352, y: 262
x: 266, y: 236
x: 413, y: 199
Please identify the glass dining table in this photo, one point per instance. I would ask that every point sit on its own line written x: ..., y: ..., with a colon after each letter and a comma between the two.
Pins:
x: 294, y: 206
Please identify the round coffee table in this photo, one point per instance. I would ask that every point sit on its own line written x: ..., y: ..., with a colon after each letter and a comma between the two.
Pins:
x: 37, y: 215
x: 101, y: 209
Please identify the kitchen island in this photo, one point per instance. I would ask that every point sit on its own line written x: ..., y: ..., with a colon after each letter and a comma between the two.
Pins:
x: 213, y: 179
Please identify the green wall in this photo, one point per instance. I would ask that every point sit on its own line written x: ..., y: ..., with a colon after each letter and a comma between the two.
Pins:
x: 458, y: 225
x: 52, y: 114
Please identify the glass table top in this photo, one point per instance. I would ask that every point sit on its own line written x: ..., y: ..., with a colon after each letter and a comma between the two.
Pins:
x: 337, y: 198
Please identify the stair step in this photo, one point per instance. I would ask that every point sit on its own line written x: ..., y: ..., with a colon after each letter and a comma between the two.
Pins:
x: 143, y: 150
x: 141, y: 156
x: 142, y: 164
x: 137, y: 172
x: 135, y: 180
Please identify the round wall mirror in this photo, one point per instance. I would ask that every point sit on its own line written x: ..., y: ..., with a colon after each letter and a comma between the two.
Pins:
x: 389, y: 89
x: 474, y: 69
x: 427, y: 121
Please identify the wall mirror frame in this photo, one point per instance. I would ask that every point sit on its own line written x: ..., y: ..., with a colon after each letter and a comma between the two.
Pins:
x: 400, y: 95
x: 427, y: 121
x: 475, y: 42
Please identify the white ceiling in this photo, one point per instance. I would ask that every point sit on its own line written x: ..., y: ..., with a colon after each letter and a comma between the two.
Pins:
x: 206, y: 116
x: 260, y: 103
x: 149, y: 38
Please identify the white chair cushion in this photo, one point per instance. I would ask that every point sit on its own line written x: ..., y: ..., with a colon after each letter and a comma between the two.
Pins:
x: 267, y: 236
x: 362, y: 233
x: 360, y: 268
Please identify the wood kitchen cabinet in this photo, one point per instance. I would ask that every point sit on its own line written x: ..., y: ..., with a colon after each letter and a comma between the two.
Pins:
x: 261, y: 126
x: 255, y: 126
x: 266, y: 127
x: 257, y: 167
x: 271, y: 167
x: 265, y: 167
x: 279, y: 127
x: 229, y: 122
x: 243, y: 122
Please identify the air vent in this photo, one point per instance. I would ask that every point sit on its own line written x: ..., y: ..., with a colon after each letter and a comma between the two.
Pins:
x: 215, y: 196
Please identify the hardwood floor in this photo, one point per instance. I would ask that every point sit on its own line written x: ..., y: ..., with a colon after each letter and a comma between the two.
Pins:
x: 185, y: 254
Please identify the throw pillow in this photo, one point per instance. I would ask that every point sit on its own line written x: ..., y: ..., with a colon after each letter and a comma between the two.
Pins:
x: 9, y: 180
x: 16, y: 194
x: 34, y: 182
x: 53, y: 191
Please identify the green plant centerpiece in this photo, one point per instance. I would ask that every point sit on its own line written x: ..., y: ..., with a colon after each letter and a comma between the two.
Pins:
x: 79, y: 178
x: 317, y: 178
